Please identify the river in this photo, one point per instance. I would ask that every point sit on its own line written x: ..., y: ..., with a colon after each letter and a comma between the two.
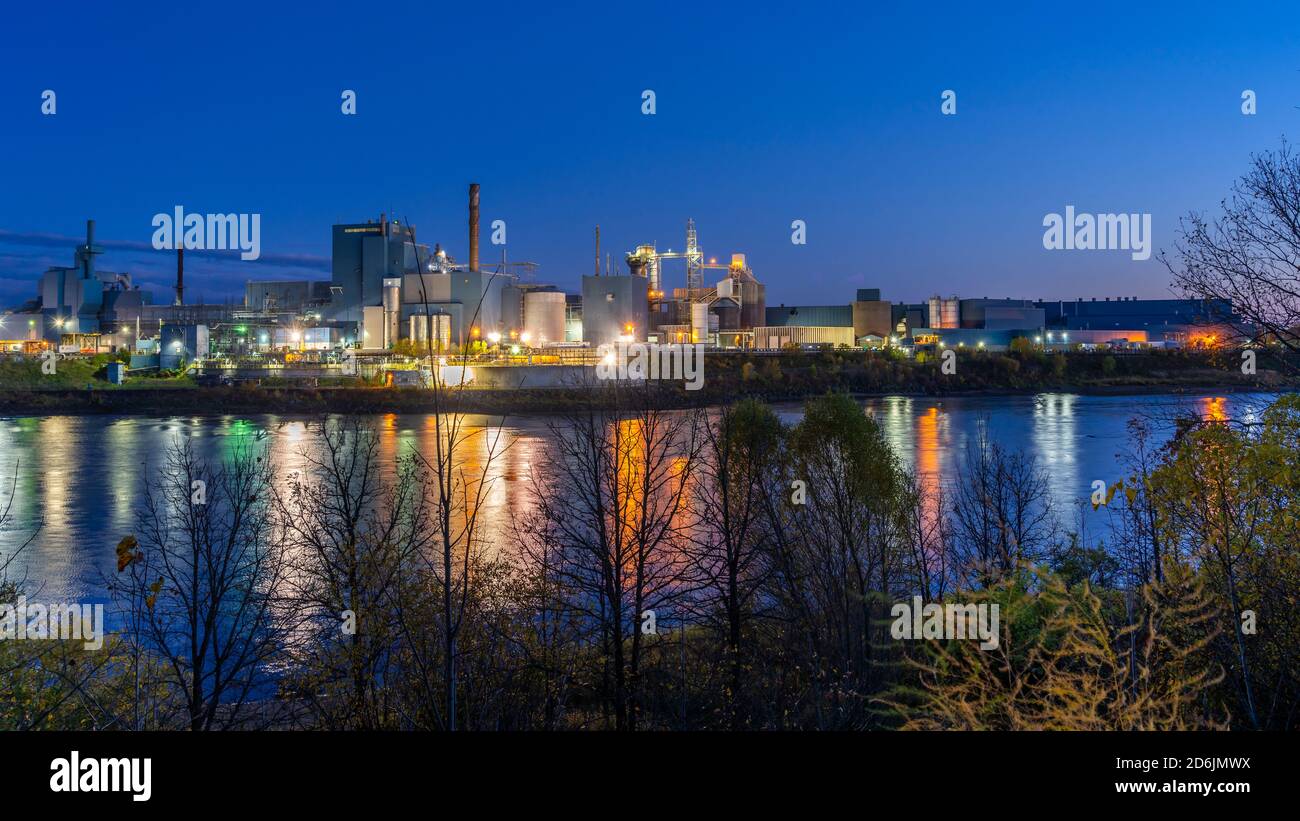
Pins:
x: 77, y: 481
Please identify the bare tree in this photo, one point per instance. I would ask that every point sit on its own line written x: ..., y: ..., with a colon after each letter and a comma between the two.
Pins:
x: 728, y: 549
x: 457, y: 495
x: 615, y: 498
x: 1249, y: 256
x: 199, y: 583
x: 353, y: 522
x: 1002, y: 513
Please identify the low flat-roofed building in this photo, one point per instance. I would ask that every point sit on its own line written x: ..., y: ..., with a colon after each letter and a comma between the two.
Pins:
x: 773, y: 337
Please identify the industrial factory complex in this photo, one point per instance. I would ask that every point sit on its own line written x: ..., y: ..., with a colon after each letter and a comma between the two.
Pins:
x: 390, y: 293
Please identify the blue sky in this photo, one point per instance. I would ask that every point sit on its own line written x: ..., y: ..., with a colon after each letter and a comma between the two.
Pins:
x: 826, y: 113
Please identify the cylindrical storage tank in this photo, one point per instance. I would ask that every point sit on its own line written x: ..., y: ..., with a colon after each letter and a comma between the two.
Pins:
x: 392, y: 309
x: 392, y: 294
x: 753, y: 304
x: 951, y: 312
x: 512, y: 310
x: 544, y: 317
x: 438, y: 324
x: 728, y: 315
x: 699, y: 322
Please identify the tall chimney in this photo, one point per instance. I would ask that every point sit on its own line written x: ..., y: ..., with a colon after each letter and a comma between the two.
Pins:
x: 180, y: 274
x: 88, y: 260
x: 597, y: 250
x: 473, y: 226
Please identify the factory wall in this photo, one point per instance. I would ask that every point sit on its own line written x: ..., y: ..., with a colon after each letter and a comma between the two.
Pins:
x: 988, y: 339
x: 610, y: 304
x: 512, y: 310
x: 810, y: 315
x: 573, y: 317
x: 480, y: 294
x: 179, y: 344
x: 973, y: 312
x: 999, y: 317
x: 363, y: 255
x: 281, y: 295
x: 473, y: 299
x: 771, y: 337
x: 1152, y: 314
x: 1108, y: 337
x: 872, y: 317
x: 433, y: 287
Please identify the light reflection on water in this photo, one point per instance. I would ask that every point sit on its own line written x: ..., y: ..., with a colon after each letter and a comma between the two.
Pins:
x: 79, y: 478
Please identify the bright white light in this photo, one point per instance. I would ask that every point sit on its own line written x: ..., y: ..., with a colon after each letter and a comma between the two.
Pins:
x: 525, y: 337
x: 494, y: 337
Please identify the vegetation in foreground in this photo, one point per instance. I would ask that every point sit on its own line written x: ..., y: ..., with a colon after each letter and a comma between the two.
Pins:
x: 672, y: 574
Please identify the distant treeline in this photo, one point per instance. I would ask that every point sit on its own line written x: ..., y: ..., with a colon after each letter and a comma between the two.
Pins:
x: 772, y: 377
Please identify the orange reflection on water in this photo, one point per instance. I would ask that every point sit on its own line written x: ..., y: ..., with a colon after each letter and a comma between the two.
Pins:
x: 928, y: 466
x: 1214, y: 409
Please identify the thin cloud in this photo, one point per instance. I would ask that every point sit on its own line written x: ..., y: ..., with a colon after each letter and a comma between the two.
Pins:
x: 42, y: 240
x: 220, y: 275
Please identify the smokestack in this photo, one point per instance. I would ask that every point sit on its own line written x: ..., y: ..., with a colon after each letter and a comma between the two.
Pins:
x: 473, y: 226
x: 88, y: 260
x: 180, y: 275
x: 597, y: 250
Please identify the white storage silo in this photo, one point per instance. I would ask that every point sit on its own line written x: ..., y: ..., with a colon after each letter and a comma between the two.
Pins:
x: 699, y: 322
x: 544, y: 317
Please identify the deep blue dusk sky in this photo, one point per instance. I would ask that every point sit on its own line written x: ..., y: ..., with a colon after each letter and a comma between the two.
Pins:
x: 826, y: 113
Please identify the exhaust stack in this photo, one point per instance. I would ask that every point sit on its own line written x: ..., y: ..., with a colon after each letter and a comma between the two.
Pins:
x: 180, y: 274
x: 473, y: 226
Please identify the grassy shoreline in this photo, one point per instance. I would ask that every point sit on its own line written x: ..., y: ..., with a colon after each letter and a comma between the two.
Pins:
x: 785, y: 378
x: 201, y: 401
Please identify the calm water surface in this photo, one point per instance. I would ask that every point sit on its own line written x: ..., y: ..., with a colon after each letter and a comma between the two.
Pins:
x: 77, y: 480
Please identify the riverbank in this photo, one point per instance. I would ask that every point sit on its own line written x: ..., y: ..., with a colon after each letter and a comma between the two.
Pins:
x: 781, y: 378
